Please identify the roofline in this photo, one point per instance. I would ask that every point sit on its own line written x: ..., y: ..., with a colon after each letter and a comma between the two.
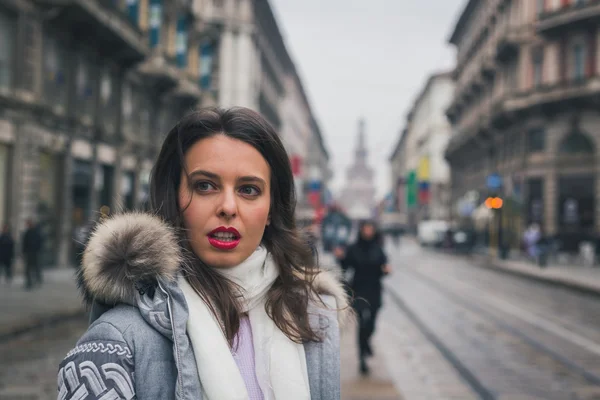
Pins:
x: 290, y: 67
x: 458, y: 27
x: 433, y: 77
x: 411, y: 113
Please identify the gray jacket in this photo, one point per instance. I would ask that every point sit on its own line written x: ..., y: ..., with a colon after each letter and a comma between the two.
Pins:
x: 137, y: 345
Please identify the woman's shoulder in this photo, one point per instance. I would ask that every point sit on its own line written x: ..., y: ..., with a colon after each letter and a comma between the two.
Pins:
x: 332, y: 301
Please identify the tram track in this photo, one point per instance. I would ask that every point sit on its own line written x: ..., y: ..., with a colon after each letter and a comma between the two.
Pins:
x: 471, y: 375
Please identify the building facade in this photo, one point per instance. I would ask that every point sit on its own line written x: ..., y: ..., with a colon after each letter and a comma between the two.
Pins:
x: 420, y: 173
x: 89, y: 89
x: 358, y: 195
x: 525, y: 113
x: 251, y: 67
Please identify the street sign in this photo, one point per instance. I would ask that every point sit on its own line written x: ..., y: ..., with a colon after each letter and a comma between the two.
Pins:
x: 494, y: 181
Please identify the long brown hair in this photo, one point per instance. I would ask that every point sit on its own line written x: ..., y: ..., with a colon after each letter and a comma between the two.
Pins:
x: 287, y: 299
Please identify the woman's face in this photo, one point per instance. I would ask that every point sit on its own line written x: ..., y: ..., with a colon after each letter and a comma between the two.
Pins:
x: 367, y: 231
x: 226, y: 206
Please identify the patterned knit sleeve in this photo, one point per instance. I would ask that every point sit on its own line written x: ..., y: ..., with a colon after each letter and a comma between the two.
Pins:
x: 101, y: 366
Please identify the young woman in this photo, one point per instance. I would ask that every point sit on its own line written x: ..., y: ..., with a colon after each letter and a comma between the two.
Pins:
x: 215, y: 295
x: 369, y: 263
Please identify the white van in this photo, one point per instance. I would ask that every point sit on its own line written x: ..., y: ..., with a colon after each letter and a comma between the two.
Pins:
x: 432, y: 233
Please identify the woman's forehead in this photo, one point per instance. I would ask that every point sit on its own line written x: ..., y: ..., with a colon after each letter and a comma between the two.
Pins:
x: 223, y: 155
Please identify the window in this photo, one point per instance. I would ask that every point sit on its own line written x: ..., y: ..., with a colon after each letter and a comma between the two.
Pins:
x: 511, y: 76
x: 536, y: 140
x: 576, y: 142
x: 7, y: 49
x: 108, y: 100
x: 127, y: 109
x: 535, y: 200
x: 578, y: 61
x: 538, y: 67
x: 84, y: 90
x: 155, y: 21
x: 181, y: 41
x: 55, y: 79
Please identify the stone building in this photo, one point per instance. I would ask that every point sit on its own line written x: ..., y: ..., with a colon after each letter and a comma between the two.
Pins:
x: 88, y: 90
x: 253, y: 68
x: 526, y: 110
x: 420, y: 173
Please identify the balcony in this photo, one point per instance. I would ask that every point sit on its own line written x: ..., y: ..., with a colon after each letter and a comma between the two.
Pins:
x: 99, y: 22
x: 579, y: 93
x: 507, y: 46
x: 186, y: 91
x: 488, y: 66
x: 554, y: 22
x: 159, y: 72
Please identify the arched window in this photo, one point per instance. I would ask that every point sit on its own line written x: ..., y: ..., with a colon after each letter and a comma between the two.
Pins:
x: 576, y: 142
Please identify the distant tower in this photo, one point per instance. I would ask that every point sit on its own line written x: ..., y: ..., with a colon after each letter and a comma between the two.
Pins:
x: 358, y: 195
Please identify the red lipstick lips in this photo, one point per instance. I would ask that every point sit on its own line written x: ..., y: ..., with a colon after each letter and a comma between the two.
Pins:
x: 224, y: 238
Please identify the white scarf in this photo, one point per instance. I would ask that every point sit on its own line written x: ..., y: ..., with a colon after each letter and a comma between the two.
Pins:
x: 280, y: 363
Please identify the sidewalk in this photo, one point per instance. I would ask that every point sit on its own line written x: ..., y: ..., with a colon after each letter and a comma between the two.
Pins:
x: 377, y: 385
x: 576, y: 277
x: 21, y: 310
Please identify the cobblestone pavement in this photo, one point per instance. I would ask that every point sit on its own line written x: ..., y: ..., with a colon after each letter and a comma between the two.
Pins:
x: 28, y: 364
x: 488, y: 335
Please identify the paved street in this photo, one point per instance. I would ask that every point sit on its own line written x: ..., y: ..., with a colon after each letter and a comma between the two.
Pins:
x: 505, y: 337
x: 28, y: 364
x: 448, y: 330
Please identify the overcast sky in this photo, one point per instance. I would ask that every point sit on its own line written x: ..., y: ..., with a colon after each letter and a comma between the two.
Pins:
x: 366, y: 59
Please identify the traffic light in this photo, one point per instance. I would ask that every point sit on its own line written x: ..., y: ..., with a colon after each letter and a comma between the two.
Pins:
x: 494, y: 202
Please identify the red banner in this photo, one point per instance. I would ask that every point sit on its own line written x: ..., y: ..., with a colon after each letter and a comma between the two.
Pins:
x: 296, y: 162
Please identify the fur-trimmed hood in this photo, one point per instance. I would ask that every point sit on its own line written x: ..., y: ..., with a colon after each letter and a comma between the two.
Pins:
x: 129, y: 251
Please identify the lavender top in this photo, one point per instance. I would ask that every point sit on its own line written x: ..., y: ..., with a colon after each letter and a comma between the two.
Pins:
x: 243, y: 354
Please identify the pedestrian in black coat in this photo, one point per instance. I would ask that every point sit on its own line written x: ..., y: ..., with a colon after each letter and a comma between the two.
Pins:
x: 32, y: 246
x: 369, y: 263
x: 7, y: 252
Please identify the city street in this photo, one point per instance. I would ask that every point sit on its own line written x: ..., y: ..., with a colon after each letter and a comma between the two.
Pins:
x: 505, y: 337
x: 449, y: 329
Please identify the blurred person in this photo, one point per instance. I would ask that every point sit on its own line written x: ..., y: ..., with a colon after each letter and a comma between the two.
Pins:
x: 531, y: 237
x: 7, y: 252
x: 215, y: 294
x: 32, y: 246
x: 369, y: 263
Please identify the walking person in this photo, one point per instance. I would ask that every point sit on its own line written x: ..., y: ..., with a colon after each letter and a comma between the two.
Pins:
x: 214, y: 294
x: 32, y: 246
x: 368, y: 263
x: 7, y: 252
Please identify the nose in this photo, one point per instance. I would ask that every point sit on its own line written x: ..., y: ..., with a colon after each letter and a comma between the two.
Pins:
x: 228, y: 206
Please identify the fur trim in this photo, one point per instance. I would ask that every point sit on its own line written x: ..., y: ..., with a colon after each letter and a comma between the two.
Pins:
x: 125, y: 250
x: 329, y: 283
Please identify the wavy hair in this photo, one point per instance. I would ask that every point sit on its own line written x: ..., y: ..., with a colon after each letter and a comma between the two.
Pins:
x: 287, y: 299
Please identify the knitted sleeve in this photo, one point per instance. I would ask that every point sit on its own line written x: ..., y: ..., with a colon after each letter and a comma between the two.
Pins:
x: 99, y: 367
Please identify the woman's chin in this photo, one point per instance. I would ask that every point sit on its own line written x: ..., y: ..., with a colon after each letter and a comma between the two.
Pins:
x: 223, y: 259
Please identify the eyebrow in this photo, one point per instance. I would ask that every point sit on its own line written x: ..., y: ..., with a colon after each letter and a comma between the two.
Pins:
x: 212, y: 175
